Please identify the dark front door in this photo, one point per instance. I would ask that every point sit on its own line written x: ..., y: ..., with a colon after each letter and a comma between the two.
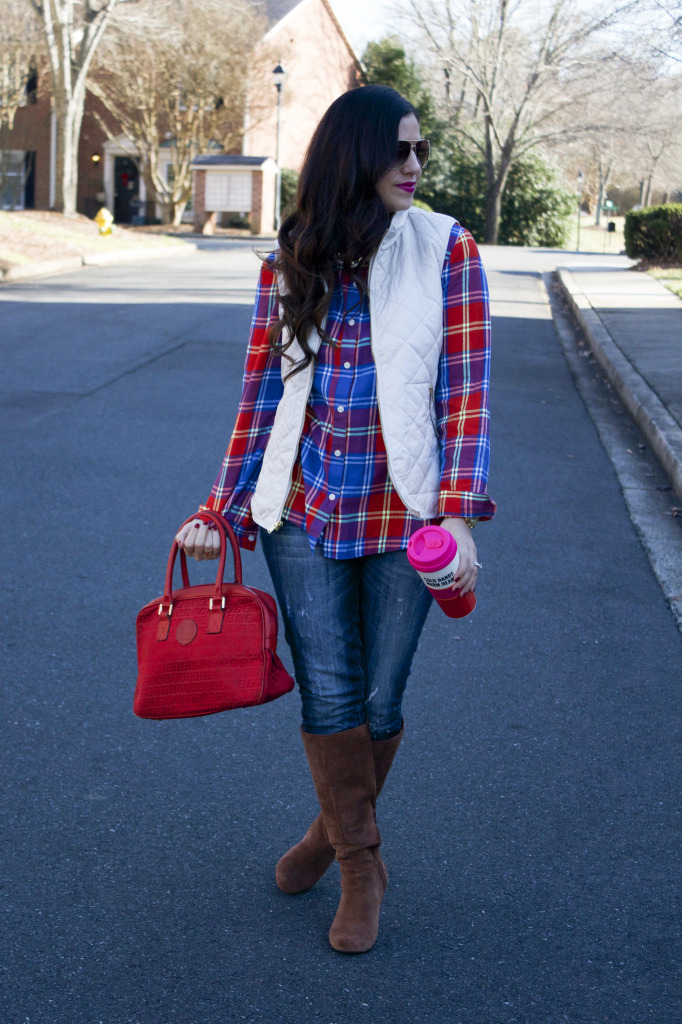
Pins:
x: 30, y: 180
x: 126, y: 189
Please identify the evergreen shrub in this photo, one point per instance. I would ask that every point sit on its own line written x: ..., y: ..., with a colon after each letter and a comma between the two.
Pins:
x: 536, y: 207
x: 655, y: 232
x: 289, y: 191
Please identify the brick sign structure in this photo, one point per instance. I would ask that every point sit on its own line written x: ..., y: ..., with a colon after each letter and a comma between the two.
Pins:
x: 234, y: 186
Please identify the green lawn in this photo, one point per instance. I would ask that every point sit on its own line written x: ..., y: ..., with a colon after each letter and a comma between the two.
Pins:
x: 670, y: 277
x: 596, y: 239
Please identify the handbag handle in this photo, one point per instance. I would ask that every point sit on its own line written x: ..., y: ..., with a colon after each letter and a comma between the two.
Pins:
x: 226, y: 533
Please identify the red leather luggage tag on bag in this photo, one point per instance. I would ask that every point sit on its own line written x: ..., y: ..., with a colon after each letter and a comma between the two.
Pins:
x: 216, y: 615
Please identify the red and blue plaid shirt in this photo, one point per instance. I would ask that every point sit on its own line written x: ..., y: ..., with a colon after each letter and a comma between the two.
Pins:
x: 341, y: 492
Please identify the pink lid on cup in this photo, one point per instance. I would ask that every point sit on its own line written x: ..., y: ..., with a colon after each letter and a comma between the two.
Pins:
x: 431, y: 548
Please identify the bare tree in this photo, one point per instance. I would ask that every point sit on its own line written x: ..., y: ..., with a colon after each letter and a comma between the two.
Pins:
x: 19, y: 47
x: 73, y: 30
x: 514, y: 72
x: 175, y: 77
x: 19, y: 40
x: 632, y: 133
x: 657, y: 147
x: 610, y: 116
x: 669, y: 34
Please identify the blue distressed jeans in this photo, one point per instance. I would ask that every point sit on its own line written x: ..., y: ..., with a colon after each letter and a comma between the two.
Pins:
x: 353, y: 625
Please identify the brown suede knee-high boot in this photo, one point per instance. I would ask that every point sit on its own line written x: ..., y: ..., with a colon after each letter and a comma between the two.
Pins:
x: 306, y: 862
x: 342, y: 767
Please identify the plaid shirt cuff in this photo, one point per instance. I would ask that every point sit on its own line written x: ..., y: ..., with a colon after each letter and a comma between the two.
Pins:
x: 457, y: 504
x: 241, y: 522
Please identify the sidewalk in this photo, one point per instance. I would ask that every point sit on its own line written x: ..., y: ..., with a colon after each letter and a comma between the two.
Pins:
x: 634, y: 326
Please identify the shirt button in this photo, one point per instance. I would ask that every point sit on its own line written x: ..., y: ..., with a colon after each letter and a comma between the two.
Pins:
x: 340, y: 408
x: 251, y: 536
x: 337, y: 452
x: 346, y: 366
x: 351, y: 323
x: 332, y: 497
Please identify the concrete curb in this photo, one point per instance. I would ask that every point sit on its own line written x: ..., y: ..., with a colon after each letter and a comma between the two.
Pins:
x: 46, y: 268
x: 42, y: 268
x: 661, y: 431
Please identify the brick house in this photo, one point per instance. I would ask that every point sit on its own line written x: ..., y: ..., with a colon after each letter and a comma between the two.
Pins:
x: 307, y: 40
x: 108, y: 170
x: 301, y: 32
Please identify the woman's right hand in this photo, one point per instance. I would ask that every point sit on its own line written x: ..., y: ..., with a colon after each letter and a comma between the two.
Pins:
x: 199, y: 540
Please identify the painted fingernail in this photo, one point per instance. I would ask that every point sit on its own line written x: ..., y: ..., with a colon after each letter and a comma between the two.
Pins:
x: 197, y: 525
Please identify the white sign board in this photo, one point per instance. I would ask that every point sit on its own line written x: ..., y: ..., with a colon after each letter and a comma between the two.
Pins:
x: 228, y: 191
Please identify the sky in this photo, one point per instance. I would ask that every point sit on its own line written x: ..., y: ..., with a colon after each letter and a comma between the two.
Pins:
x: 367, y: 20
x: 363, y: 20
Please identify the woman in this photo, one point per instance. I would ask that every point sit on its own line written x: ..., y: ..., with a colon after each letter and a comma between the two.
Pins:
x: 363, y: 416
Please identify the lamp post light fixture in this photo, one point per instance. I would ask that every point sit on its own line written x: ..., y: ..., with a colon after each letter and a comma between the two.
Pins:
x: 580, y: 181
x: 279, y: 75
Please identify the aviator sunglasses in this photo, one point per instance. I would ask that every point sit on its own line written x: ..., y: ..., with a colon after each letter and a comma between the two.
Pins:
x: 422, y: 151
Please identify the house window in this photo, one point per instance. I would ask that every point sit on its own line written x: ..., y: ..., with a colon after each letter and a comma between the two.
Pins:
x: 32, y: 84
x: 228, y: 191
x: 12, y: 179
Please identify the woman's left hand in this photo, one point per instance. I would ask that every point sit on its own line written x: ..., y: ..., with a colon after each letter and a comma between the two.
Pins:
x: 467, y: 572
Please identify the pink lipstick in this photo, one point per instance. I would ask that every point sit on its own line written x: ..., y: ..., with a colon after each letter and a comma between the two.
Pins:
x: 408, y: 186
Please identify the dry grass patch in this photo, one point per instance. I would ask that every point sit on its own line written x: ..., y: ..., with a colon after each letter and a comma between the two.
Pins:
x: 32, y: 235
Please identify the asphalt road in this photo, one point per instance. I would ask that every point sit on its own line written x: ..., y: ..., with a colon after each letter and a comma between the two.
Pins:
x: 531, y: 822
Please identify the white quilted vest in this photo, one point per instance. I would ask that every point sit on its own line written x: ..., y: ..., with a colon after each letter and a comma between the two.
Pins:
x: 406, y: 312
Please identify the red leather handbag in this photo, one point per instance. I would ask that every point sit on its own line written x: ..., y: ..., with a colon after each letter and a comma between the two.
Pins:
x: 207, y: 648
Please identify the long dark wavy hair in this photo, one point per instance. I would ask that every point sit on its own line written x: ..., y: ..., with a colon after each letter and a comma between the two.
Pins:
x: 339, y: 216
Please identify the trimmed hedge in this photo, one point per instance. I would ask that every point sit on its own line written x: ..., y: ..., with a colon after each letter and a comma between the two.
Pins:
x: 289, y: 190
x: 655, y: 231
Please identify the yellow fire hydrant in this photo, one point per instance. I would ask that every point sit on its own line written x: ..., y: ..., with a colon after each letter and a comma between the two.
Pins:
x: 105, y: 221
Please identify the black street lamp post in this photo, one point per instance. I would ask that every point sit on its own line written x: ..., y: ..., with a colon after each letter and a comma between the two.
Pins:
x: 580, y: 181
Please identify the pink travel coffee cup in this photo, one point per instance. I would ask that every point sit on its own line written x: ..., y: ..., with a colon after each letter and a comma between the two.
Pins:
x: 432, y: 551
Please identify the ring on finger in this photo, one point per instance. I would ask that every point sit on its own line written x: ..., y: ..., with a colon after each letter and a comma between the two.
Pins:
x: 478, y: 565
